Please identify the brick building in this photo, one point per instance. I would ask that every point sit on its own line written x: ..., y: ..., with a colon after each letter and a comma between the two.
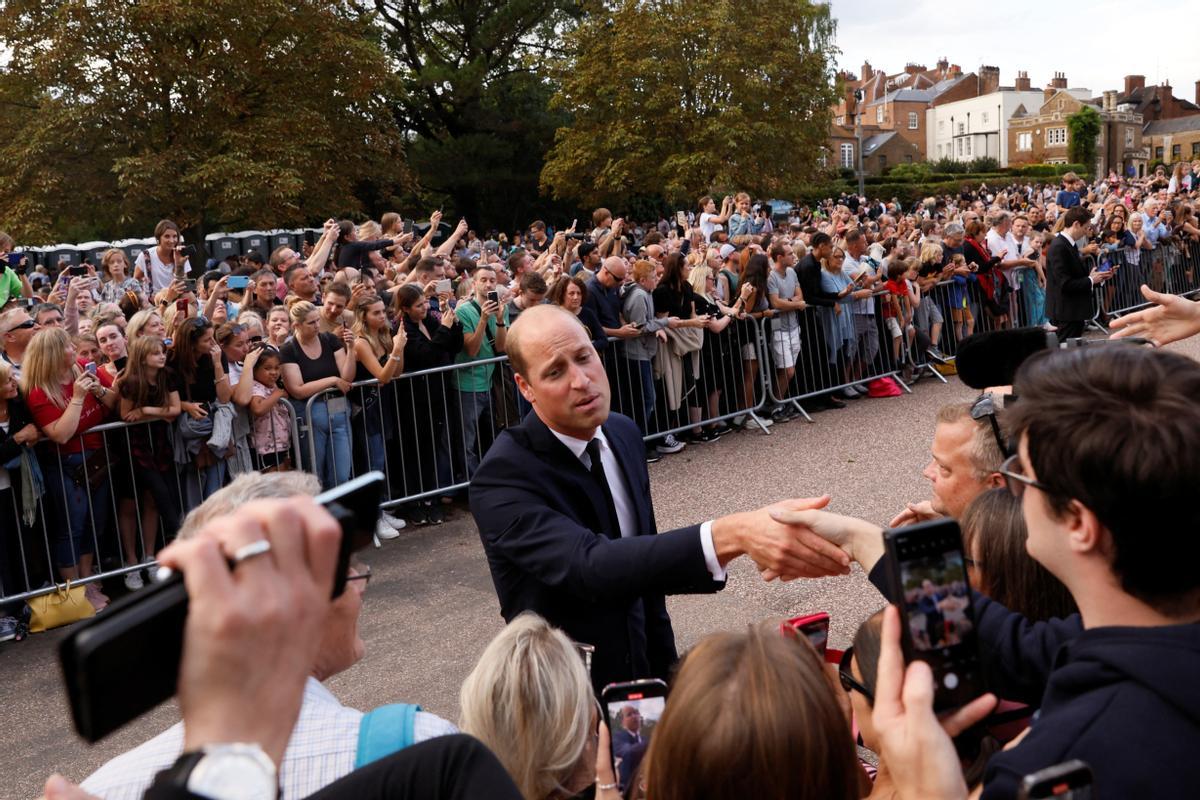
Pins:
x: 1041, y: 135
x: 891, y: 104
x: 1171, y: 140
x: 1155, y: 102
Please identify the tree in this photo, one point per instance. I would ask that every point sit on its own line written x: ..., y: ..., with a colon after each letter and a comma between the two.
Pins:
x: 680, y: 98
x: 474, y: 98
x: 1083, y: 128
x: 215, y: 113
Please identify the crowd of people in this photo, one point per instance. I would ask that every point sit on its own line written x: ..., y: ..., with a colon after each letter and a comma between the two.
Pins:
x: 136, y: 390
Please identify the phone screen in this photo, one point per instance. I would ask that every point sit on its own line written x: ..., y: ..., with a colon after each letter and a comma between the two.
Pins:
x: 632, y: 711
x: 443, y: 286
x: 1071, y: 780
x: 815, y: 628
x: 238, y: 281
x: 939, y: 621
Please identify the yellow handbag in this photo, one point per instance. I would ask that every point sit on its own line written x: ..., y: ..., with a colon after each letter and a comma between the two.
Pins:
x: 64, y: 605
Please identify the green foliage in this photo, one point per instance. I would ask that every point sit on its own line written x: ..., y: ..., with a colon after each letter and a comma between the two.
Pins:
x: 983, y: 164
x: 1083, y: 128
x: 916, y: 171
x: 949, y: 166
x: 475, y: 99
x: 684, y: 98
x: 217, y: 113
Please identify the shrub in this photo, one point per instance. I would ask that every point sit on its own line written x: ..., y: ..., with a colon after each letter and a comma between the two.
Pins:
x: 916, y: 171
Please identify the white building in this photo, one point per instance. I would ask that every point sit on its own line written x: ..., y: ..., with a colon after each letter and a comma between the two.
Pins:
x: 964, y: 130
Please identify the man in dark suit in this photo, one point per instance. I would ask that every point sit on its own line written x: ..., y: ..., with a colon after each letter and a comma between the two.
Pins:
x: 563, y: 506
x: 628, y: 744
x: 1068, y: 283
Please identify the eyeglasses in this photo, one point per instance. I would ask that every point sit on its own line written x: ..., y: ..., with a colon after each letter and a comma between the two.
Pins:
x: 985, y: 406
x: 361, y: 573
x: 848, y: 681
x: 586, y: 651
x: 1015, y: 480
x: 24, y: 326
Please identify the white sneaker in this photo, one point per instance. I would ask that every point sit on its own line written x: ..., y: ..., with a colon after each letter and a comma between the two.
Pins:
x: 385, y: 531
x: 395, y: 522
x: 133, y: 580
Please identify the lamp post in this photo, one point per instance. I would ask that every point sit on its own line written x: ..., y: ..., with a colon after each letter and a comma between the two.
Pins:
x: 858, y: 98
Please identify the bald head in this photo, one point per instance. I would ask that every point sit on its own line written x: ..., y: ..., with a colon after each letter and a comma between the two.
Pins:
x: 615, y: 267
x: 534, y: 324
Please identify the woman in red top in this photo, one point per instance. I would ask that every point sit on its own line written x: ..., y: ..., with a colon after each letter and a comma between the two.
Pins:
x: 66, y: 401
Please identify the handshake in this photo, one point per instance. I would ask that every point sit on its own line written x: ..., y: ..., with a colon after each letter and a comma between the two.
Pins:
x: 797, y: 539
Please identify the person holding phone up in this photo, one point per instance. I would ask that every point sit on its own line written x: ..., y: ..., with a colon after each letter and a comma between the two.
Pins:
x: 485, y: 331
x: 165, y: 263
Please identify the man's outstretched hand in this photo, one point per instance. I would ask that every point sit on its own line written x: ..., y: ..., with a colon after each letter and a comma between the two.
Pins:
x: 857, y: 539
x: 779, y: 549
x: 1170, y: 319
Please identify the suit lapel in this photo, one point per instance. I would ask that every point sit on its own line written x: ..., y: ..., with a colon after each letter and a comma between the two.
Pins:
x: 553, y: 452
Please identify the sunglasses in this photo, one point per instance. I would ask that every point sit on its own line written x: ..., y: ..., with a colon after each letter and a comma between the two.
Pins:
x: 24, y: 326
x: 985, y: 406
x: 361, y: 573
x: 848, y: 681
x: 1016, y: 480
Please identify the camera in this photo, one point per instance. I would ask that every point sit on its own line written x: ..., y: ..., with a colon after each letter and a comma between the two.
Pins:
x: 186, y: 250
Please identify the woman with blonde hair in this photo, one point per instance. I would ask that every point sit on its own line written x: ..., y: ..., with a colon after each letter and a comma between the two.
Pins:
x: 752, y: 714
x: 313, y: 364
x: 146, y: 322
x: 529, y: 699
x: 66, y: 401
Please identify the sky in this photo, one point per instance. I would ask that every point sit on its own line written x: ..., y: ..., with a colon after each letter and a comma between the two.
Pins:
x: 1025, y: 35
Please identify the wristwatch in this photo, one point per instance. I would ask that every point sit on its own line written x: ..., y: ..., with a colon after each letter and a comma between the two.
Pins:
x: 233, y: 771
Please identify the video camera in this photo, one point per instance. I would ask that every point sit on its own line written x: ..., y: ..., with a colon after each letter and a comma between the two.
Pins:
x: 993, y: 358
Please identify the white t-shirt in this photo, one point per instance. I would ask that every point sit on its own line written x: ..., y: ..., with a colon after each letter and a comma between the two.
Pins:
x: 5, y: 481
x: 707, y: 226
x: 160, y: 275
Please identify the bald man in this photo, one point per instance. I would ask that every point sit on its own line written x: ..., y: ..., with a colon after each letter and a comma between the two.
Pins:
x: 563, y: 506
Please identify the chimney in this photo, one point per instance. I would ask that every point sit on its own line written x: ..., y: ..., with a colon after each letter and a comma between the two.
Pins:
x: 1022, y: 83
x: 1047, y: 93
x: 955, y: 71
x: 1059, y: 81
x: 1197, y: 93
x: 943, y: 66
x: 1110, y: 100
x: 913, y: 69
x: 1134, y: 83
x: 989, y: 80
x: 867, y: 72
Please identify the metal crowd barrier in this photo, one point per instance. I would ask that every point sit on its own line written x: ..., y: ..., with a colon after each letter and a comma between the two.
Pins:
x: 131, y: 507
x: 1170, y: 268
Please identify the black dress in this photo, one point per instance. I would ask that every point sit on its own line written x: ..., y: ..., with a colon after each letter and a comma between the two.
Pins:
x: 427, y: 406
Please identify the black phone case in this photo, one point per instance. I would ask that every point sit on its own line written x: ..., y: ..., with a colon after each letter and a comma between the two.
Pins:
x: 122, y: 663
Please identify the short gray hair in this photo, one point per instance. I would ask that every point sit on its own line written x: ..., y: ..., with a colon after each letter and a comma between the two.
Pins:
x: 954, y: 230
x: 244, y: 488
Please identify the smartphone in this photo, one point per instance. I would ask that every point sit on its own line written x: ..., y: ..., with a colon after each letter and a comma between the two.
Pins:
x: 681, y: 219
x: 90, y: 367
x: 1105, y: 266
x: 77, y: 272
x: 632, y: 711
x: 444, y: 286
x: 124, y: 662
x: 189, y: 285
x: 1071, y: 780
x: 928, y: 572
x: 493, y: 297
x: 181, y: 306
x: 236, y: 282
x: 815, y: 628
x: 408, y: 226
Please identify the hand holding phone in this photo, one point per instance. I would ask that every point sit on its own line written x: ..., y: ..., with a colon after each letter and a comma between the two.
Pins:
x: 255, y: 657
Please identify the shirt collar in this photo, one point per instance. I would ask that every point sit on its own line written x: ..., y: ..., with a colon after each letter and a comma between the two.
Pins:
x: 578, y: 446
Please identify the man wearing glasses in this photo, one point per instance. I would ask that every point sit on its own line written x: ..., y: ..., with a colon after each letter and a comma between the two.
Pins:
x: 967, y: 450
x: 1105, y: 469
x: 16, y: 329
x: 327, y: 739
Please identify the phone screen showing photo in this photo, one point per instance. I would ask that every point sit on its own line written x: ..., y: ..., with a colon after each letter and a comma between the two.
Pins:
x: 632, y: 720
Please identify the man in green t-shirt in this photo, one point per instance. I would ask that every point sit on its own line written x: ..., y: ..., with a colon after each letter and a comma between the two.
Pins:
x: 480, y: 342
x: 12, y: 285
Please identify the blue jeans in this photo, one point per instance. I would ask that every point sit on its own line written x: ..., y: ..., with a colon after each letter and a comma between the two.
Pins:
x: 80, y: 511
x: 331, y: 440
x: 200, y: 483
x: 472, y: 407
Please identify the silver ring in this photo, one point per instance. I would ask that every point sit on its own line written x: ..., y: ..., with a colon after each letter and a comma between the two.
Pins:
x: 251, y: 550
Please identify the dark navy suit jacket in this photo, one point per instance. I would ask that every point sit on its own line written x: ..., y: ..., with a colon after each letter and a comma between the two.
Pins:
x: 538, y: 511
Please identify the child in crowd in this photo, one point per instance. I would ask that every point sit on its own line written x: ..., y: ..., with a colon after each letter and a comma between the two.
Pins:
x: 960, y: 305
x: 898, y: 309
x: 272, y: 428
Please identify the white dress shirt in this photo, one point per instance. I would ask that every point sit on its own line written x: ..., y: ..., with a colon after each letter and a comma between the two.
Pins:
x: 322, y: 749
x: 621, y: 499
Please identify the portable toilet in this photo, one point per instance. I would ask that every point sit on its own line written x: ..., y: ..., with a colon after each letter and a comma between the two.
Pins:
x: 283, y: 239
x: 62, y: 254
x: 254, y: 240
x: 92, y: 251
x: 222, y: 245
x: 134, y: 248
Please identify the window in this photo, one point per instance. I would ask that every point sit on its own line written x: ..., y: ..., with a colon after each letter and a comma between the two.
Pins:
x: 941, y: 125
x: 1158, y: 153
x: 878, y: 114
x: 985, y: 117
x: 1060, y: 105
x: 882, y: 161
x: 840, y: 120
x: 847, y: 155
x: 912, y: 121
x: 1056, y: 136
x: 968, y: 146
x: 1025, y: 141
x: 962, y: 128
x: 960, y: 146
x: 1129, y: 136
x: 1176, y: 151
x: 1195, y: 149
x: 939, y: 151
x: 908, y: 158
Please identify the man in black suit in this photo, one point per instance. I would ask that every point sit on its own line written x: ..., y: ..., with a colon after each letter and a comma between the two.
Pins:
x: 1068, y: 283
x: 628, y: 744
x: 563, y: 506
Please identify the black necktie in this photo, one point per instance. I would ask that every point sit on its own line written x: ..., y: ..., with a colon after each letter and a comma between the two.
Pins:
x: 597, y: 469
